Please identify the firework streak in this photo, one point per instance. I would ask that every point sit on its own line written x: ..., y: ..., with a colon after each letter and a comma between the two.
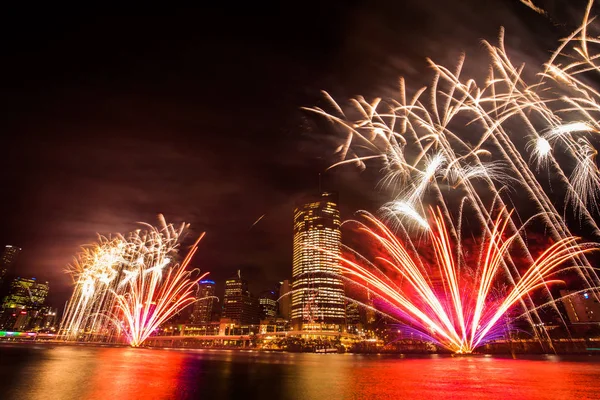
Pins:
x: 129, y: 285
x: 449, y: 305
x: 465, y: 145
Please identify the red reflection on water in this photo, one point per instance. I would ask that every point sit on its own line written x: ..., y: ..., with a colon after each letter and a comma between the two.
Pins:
x: 73, y: 372
x: 137, y: 374
x: 463, y: 378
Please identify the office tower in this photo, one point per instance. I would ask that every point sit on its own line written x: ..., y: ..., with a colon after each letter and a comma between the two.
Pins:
x: 318, y: 301
x: 43, y: 319
x: 25, y: 293
x: 25, y: 297
x: 352, y: 318
x: 203, y: 308
x: 285, y: 300
x: 581, y: 307
x: 238, y: 303
x: 268, y: 304
x: 8, y: 258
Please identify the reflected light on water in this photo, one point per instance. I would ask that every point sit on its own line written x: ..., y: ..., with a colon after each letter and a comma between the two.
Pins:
x: 73, y: 372
x: 137, y: 373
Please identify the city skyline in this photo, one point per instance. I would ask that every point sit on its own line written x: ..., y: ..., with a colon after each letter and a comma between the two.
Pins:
x: 260, y: 244
x: 355, y: 199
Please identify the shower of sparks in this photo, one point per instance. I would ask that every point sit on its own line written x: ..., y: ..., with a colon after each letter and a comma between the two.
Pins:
x: 541, y: 150
x: 488, y: 144
x: 129, y: 285
x: 401, y: 209
x: 452, y: 307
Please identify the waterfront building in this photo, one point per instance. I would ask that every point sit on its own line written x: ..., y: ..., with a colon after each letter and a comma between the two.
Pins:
x: 238, y: 304
x: 318, y: 299
x: 26, y: 292
x: 271, y: 325
x: 25, y: 297
x: 581, y: 307
x: 43, y: 319
x: 285, y: 300
x: 353, y: 323
x: 205, y: 298
x: 202, y: 329
x: 229, y: 327
x: 268, y: 304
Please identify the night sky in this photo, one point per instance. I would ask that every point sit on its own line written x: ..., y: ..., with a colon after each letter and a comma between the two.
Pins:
x: 110, y: 120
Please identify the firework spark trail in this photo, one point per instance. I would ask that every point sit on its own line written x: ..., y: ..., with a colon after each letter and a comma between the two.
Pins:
x: 522, y: 99
x: 446, y: 136
x: 579, y: 182
x: 423, y: 119
x: 510, y: 99
x: 455, y: 317
x: 94, y: 270
x: 151, y: 298
x: 535, y: 8
x: 129, y: 284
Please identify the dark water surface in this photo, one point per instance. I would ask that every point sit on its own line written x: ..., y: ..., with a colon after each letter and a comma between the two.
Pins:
x: 75, y: 372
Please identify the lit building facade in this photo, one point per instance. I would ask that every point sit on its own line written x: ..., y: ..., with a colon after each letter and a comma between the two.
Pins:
x: 238, y: 304
x: 353, y: 323
x: 268, y: 304
x: 26, y: 293
x: 26, y: 296
x: 581, y: 307
x: 8, y: 258
x: 203, y: 308
x: 285, y: 300
x: 43, y: 319
x: 318, y: 301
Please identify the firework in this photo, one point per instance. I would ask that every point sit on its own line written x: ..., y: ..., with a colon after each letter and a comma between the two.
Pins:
x: 462, y: 142
x: 459, y: 313
x: 129, y: 285
x: 152, y: 296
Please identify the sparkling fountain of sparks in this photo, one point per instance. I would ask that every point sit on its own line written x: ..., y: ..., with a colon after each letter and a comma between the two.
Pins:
x: 452, y: 308
x: 129, y: 285
x: 152, y: 296
x: 484, y: 141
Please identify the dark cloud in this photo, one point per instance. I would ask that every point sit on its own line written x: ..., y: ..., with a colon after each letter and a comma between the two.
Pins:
x: 109, y: 121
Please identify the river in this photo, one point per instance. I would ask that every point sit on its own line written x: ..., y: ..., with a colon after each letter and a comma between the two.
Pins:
x: 81, y: 372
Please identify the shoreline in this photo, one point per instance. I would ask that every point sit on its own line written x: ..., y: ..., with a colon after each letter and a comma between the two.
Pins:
x: 401, y: 354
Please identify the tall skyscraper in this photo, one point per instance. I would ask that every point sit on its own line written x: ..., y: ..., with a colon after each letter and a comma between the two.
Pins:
x: 8, y: 258
x: 318, y: 301
x: 203, y: 308
x: 285, y: 301
x: 238, y: 303
x: 268, y: 304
